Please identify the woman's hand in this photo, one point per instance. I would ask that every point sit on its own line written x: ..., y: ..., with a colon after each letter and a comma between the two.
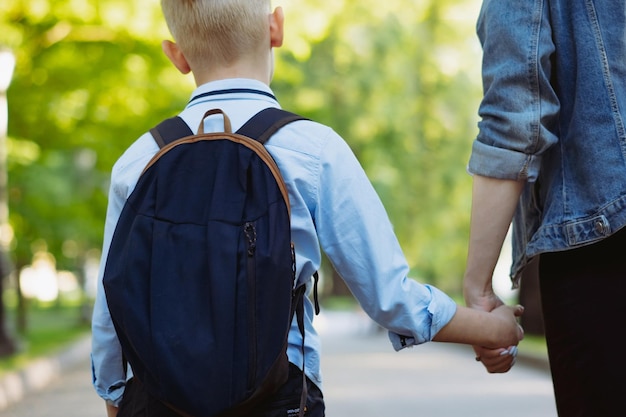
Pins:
x: 509, y: 334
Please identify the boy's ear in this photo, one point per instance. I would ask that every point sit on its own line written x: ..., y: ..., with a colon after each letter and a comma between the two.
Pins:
x: 277, y: 20
x: 173, y: 52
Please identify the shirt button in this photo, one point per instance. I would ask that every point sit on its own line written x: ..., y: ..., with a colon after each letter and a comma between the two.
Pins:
x: 600, y: 227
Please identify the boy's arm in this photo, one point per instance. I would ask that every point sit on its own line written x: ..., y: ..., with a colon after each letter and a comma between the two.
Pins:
x: 481, y: 328
x: 494, y: 329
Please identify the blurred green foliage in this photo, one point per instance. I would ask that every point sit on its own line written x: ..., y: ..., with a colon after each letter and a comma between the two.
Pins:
x: 51, y: 329
x: 398, y: 79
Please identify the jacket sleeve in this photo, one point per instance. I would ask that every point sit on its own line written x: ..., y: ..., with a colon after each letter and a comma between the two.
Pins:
x: 520, y: 108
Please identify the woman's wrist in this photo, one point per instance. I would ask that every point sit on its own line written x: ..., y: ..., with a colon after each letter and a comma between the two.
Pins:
x: 477, y: 292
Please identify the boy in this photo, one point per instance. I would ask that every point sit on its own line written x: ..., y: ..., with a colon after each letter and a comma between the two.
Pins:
x: 227, y: 45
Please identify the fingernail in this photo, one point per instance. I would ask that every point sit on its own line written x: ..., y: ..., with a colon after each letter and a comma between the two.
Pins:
x: 513, y: 351
x: 504, y: 352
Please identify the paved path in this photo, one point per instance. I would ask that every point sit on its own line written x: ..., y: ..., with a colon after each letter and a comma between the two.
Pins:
x: 363, y: 377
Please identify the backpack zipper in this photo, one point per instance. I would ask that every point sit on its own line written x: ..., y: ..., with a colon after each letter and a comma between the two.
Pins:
x: 250, y: 232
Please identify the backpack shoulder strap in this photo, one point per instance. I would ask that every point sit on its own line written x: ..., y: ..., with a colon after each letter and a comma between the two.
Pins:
x: 267, y: 122
x: 260, y: 127
x: 169, y: 130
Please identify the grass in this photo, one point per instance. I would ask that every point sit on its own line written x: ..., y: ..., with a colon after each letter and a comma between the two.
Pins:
x: 534, y: 345
x: 49, y: 329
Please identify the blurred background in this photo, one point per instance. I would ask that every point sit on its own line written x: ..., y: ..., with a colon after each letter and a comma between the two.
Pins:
x: 80, y: 80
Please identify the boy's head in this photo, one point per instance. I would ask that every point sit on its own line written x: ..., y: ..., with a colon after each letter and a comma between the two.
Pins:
x: 220, y: 33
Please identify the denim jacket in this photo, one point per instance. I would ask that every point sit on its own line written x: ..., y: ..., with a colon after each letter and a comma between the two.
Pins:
x: 554, y: 75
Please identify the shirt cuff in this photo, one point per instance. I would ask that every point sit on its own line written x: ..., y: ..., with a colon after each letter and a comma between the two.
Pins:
x: 440, y: 310
x: 114, y: 394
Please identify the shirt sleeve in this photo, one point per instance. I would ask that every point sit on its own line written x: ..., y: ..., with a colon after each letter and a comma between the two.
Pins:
x: 519, y: 108
x: 358, y: 238
x: 108, y: 373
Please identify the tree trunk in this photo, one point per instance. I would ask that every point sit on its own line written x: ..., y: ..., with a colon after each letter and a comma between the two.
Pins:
x: 339, y: 287
x: 7, y: 345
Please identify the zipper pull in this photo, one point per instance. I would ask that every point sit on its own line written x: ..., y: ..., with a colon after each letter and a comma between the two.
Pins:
x: 293, y: 260
x: 250, y: 232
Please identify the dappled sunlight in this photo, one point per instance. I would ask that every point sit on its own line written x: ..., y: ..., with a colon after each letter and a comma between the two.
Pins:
x: 41, y: 280
x: 398, y: 80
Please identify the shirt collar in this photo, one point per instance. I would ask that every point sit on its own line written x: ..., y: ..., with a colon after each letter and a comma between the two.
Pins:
x: 232, y: 89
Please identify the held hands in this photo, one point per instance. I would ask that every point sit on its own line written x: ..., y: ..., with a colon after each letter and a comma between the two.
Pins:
x: 508, y: 330
x: 508, y: 333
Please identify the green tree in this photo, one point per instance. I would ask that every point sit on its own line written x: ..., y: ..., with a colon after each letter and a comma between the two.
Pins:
x: 90, y: 78
x: 398, y: 79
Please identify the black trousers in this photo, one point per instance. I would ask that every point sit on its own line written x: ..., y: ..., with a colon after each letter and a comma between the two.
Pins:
x: 583, y: 295
x: 137, y: 402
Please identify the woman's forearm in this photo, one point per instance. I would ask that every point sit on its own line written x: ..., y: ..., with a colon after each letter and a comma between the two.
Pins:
x: 493, y: 205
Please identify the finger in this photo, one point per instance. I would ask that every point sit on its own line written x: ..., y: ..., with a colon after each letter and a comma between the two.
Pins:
x: 518, y: 310
x: 482, y: 352
x: 492, y: 354
x: 500, y: 368
x: 499, y: 364
x: 497, y: 360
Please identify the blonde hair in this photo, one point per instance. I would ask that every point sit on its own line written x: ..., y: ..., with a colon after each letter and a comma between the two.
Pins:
x: 222, y: 31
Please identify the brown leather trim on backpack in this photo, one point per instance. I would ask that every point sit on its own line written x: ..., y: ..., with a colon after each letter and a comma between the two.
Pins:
x: 234, y: 137
x: 227, y: 126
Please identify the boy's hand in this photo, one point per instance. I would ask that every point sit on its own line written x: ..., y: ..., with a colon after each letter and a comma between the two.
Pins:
x: 509, y: 333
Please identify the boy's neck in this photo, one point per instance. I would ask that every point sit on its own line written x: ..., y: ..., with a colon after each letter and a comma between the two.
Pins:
x: 261, y: 73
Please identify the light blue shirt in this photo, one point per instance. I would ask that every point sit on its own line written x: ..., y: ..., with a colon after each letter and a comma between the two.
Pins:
x: 334, y: 208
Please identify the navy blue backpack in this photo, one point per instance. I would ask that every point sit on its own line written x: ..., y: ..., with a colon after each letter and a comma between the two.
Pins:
x: 200, y: 273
